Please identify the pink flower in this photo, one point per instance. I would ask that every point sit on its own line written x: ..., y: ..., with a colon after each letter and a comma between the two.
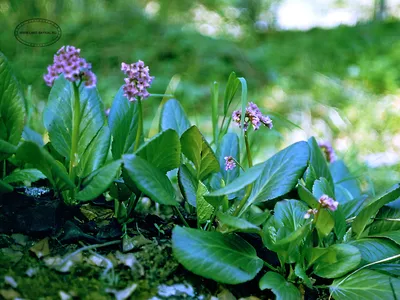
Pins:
x: 68, y: 62
x: 327, y: 149
x: 138, y: 80
x: 328, y: 202
x: 253, y: 116
x: 230, y: 163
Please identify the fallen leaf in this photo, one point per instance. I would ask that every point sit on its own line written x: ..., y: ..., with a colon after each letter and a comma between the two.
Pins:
x: 41, y: 248
x: 123, y: 294
x: 9, y: 294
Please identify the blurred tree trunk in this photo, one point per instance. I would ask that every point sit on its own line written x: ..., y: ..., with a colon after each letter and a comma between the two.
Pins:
x: 380, y: 10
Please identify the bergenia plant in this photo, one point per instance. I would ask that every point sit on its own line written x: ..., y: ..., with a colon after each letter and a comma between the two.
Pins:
x: 297, y: 222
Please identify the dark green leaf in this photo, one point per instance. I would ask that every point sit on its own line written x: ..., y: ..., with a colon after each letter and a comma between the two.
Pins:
x: 30, y: 175
x: 391, y: 235
x: 99, y: 181
x: 318, y: 161
x: 230, y: 91
x: 6, y: 149
x: 163, y: 151
x: 374, y: 249
x: 150, y: 180
x: 229, y: 146
x: 5, y: 187
x: 282, y: 289
x: 188, y: 185
x: 337, y: 261
x: 59, y: 115
x: 196, y: 148
x: 40, y: 159
x: 173, y: 116
x: 301, y: 273
x: 280, y: 173
x: 223, y: 258
x: 290, y: 214
x: 366, y: 285
x: 204, y: 209
x: 123, y: 123
x: 370, y: 210
x: 387, y: 219
x: 31, y: 135
x: 12, y: 107
x: 237, y: 224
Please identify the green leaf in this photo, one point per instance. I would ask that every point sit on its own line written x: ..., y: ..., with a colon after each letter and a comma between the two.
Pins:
x: 229, y: 146
x: 30, y: 175
x: 318, y: 161
x: 238, y: 224
x: 204, y: 209
x: 196, y: 149
x: 309, y: 176
x: 366, y: 285
x: 337, y: 261
x: 322, y: 187
x: 301, y: 273
x: 31, y: 135
x: 230, y: 91
x: 391, y: 235
x: 374, y: 249
x: 371, y: 209
x: 59, y: 115
x: 290, y: 214
x: 282, y: 289
x: 306, y: 196
x: 239, y: 183
x: 95, y: 154
x: 223, y: 258
x: 12, y: 107
x: 173, y: 116
x: 123, y: 123
x: 163, y: 151
x: 387, y: 219
x: 313, y: 254
x: 31, y: 153
x: 149, y: 179
x: 5, y: 187
x: 99, y: 181
x: 280, y: 174
x: 188, y: 185
x: 6, y: 149
x: 342, y: 177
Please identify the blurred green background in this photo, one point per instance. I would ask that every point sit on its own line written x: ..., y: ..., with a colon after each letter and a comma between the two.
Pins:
x: 331, y: 67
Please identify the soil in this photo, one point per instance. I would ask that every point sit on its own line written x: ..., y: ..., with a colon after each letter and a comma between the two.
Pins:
x: 37, y: 230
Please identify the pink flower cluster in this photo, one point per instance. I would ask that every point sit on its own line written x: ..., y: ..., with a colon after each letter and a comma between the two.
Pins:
x: 254, y: 116
x: 328, y: 202
x: 327, y: 149
x: 68, y: 62
x: 138, y: 80
x: 230, y: 163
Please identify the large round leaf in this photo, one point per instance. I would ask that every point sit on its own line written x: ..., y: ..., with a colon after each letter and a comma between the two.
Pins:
x: 223, y: 258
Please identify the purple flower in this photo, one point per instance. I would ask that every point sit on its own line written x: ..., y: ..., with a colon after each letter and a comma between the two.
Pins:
x: 230, y: 163
x: 328, y: 202
x: 68, y: 62
x: 310, y: 212
x: 138, y: 80
x: 327, y: 149
x: 253, y: 116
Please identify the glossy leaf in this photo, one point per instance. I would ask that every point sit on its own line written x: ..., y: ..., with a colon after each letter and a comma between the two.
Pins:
x: 371, y: 209
x: 387, y: 219
x: 150, y: 180
x: 366, y: 285
x: 196, y: 149
x: 301, y: 273
x: 28, y: 134
x: 163, y: 151
x: 223, y: 258
x: 237, y: 224
x: 30, y: 152
x: 188, y: 185
x: 282, y: 289
x: 12, y: 107
x: 339, y: 260
x: 6, y: 149
x: 323, y: 187
x: 30, y: 175
x: 59, y: 116
x: 123, y: 123
x: 229, y: 146
x: 99, y: 181
x: 174, y: 117
x: 204, y: 209
x: 280, y: 173
x: 391, y: 235
x: 318, y: 161
x: 374, y: 249
x: 290, y: 214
